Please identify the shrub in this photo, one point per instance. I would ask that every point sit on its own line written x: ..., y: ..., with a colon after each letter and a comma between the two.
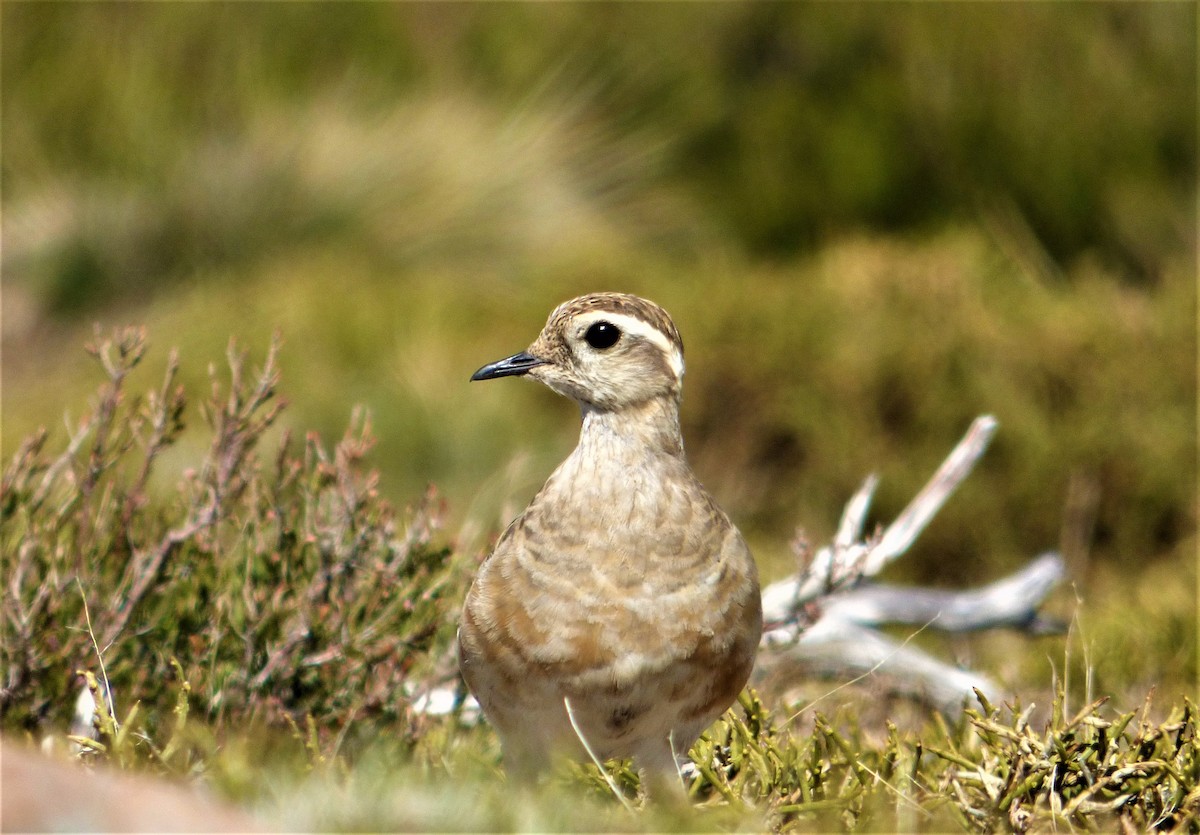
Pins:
x: 280, y: 585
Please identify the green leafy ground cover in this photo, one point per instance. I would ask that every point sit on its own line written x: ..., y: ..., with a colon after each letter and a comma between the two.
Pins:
x: 869, y: 229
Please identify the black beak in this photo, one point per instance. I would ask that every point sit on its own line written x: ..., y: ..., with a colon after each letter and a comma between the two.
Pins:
x: 513, y: 366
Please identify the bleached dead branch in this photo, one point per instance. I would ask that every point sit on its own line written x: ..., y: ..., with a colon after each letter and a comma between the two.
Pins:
x: 843, y: 651
x: 817, y: 621
x: 1010, y: 602
x: 851, y: 558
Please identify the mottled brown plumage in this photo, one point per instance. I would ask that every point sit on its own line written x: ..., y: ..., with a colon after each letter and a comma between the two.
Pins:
x: 623, y: 587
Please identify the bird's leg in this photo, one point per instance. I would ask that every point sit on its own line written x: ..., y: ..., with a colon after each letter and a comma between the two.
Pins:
x: 658, y: 769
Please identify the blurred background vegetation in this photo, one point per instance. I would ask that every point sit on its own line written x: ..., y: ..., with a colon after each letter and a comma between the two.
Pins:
x: 872, y: 222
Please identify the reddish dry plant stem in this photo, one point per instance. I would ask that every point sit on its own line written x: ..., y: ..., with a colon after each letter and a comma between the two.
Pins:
x: 239, y: 425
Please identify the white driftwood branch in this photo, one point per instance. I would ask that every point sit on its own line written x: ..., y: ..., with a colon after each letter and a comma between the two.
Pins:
x: 842, y: 651
x: 1010, y: 602
x: 841, y: 646
x: 849, y: 559
x: 817, y: 620
x: 908, y: 525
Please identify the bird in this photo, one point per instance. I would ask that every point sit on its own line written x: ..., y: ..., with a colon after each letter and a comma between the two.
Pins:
x: 619, y: 615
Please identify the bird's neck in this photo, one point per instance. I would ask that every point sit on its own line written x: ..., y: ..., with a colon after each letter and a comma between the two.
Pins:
x: 650, y: 427
x: 627, y: 471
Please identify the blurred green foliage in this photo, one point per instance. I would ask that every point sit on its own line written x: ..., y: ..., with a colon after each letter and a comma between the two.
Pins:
x: 174, y: 129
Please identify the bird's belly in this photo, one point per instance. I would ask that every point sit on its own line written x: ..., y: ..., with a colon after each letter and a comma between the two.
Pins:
x: 634, y: 669
x: 674, y: 701
x: 594, y: 638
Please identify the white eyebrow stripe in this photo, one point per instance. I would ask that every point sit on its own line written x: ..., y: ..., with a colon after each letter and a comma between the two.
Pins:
x: 641, y: 328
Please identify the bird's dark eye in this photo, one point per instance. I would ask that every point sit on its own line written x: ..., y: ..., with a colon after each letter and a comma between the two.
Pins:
x: 602, y: 335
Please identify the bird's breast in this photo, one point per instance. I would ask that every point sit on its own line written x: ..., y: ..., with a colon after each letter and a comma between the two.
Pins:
x: 621, y: 566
